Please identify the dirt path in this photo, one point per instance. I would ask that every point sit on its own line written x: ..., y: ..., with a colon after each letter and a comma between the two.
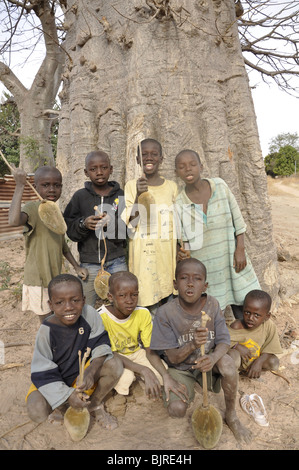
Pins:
x: 144, y: 425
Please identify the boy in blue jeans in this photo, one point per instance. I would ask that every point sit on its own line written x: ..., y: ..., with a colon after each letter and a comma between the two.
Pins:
x: 88, y: 229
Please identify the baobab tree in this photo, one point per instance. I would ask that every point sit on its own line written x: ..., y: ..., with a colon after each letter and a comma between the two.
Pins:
x: 173, y: 70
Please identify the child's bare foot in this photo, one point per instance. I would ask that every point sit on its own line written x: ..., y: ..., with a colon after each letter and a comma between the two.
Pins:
x: 104, y: 419
x: 56, y: 416
x: 239, y: 431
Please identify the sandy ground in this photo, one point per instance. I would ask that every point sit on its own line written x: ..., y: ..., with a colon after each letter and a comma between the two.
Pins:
x: 143, y: 424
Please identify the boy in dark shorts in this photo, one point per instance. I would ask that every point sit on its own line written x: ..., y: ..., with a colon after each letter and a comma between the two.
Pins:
x: 55, y: 366
x: 177, y: 334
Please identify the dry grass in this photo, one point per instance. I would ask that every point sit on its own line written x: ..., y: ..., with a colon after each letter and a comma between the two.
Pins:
x: 274, y: 184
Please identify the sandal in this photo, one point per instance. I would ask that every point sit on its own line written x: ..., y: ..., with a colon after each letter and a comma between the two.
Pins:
x: 253, y: 405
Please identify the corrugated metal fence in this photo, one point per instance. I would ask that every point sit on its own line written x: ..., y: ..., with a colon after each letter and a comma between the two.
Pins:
x: 7, y: 188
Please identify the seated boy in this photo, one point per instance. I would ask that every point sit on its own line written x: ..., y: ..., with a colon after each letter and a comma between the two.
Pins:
x: 254, y: 339
x: 126, y: 325
x: 55, y: 364
x: 177, y: 334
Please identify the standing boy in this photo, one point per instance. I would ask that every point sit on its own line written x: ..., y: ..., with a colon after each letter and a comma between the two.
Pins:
x: 88, y: 229
x: 219, y: 237
x: 177, y: 334
x: 152, y: 242
x: 44, y: 248
x: 55, y: 366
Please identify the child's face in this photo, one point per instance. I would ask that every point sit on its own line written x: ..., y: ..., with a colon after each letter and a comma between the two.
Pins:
x: 190, y: 283
x: 67, y: 301
x: 255, y: 312
x: 49, y: 185
x: 188, y: 167
x: 98, y: 169
x: 151, y: 157
x: 124, y: 297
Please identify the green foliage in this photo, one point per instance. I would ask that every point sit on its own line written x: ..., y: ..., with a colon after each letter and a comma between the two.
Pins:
x: 9, y: 130
x: 285, y: 161
x: 282, y: 162
x: 284, y: 152
x: 10, y: 138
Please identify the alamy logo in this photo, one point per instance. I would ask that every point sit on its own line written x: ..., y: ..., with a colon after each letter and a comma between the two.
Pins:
x: 153, y: 221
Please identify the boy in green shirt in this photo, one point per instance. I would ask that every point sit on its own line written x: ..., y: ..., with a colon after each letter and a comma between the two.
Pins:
x: 44, y: 248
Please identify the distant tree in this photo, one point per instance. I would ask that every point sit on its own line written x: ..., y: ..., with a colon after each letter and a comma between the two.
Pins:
x: 283, y: 139
x: 9, y: 132
x: 285, y: 161
x: 282, y: 162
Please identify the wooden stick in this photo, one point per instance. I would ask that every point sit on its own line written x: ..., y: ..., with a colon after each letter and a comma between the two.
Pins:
x: 11, y: 365
x: 82, y: 365
x: 141, y: 161
x: 10, y: 345
x: 204, y: 319
x: 80, y: 369
x: 28, y: 182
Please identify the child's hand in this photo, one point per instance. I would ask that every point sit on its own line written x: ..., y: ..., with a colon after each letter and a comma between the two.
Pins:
x: 171, y: 385
x: 141, y: 185
x: 92, y: 221
x: 20, y: 176
x: 103, y: 222
x: 88, y: 380
x: 239, y: 259
x: 204, y: 363
x: 200, y: 336
x: 245, y: 353
x: 254, y: 369
x: 152, y: 385
x: 82, y: 272
x: 78, y: 400
x: 183, y: 254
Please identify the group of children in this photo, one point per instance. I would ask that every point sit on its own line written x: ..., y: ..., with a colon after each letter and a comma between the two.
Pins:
x: 151, y: 327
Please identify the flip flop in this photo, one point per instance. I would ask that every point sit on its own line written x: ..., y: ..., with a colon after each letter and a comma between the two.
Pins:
x: 253, y: 405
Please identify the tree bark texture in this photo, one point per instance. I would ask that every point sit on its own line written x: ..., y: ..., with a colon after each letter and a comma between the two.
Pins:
x: 178, y: 76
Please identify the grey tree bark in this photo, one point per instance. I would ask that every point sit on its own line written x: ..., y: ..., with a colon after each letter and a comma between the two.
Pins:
x: 176, y: 74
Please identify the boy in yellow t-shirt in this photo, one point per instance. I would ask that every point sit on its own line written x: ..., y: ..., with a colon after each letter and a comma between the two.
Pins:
x: 254, y: 339
x: 152, y: 238
x: 126, y: 325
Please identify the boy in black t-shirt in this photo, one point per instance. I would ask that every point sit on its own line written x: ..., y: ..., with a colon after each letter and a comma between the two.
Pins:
x: 88, y: 226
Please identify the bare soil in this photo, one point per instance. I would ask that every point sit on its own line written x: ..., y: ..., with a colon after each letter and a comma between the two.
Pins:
x: 144, y: 424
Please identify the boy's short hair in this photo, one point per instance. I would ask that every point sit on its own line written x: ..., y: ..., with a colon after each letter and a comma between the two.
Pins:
x: 46, y: 169
x: 99, y: 153
x: 258, y: 294
x: 152, y: 141
x: 118, y: 276
x: 63, y: 278
x: 182, y: 263
x: 185, y: 151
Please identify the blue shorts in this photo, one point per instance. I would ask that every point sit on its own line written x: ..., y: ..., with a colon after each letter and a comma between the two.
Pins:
x: 113, y: 266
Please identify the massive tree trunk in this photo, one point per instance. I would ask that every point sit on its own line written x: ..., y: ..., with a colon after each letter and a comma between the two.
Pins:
x: 176, y: 75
